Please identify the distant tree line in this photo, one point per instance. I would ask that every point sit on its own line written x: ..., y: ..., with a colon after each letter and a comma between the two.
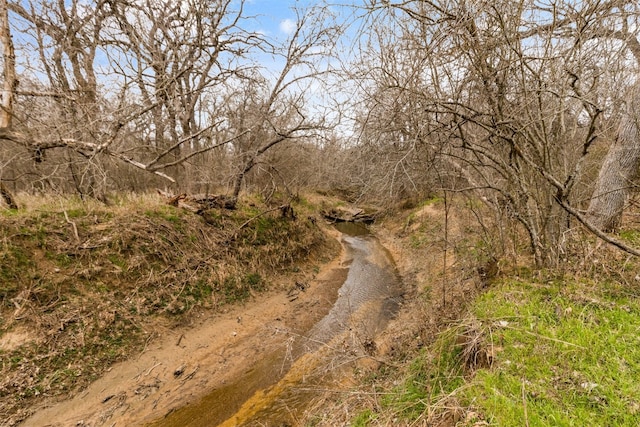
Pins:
x: 532, y: 107
x: 127, y: 95
x: 528, y: 107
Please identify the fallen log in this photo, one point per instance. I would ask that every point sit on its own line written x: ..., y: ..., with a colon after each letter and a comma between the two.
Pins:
x: 198, y: 203
x: 348, y: 215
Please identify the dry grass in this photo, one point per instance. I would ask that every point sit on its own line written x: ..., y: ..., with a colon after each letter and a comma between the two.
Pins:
x: 83, y: 285
x: 438, y: 287
x: 446, y: 349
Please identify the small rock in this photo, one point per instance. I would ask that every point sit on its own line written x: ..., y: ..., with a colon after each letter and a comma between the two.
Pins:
x: 179, y: 371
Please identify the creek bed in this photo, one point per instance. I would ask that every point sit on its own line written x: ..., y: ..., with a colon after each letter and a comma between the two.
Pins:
x: 278, y: 388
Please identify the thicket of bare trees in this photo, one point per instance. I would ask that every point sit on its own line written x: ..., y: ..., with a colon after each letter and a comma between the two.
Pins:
x: 175, y: 90
x: 529, y: 106
x: 514, y: 101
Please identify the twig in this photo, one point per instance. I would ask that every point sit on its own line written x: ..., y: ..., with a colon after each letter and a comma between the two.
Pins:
x: 375, y: 359
x: 145, y: 343
x: 73, y: 224
x: 346, y: 392
x: 191, y: 375
x: 247, y: 222
x: 545, y: 337
x: 180, y: 339
x: 524, y: 404
x: 152, y: 368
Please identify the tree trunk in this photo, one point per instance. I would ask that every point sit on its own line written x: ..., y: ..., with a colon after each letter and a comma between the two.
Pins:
x: 8, y: 197
x: 619, y: 170
x: 237, y: 187
x: 8, y: 88
x: 9, y: 72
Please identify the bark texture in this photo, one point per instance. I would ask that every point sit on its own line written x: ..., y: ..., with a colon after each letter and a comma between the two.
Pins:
x: 9, y: 72
x: 619, y: 170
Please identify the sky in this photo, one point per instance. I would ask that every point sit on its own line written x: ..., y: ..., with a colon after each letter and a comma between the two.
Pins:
x: 277, y: 20
x: 275, y: 17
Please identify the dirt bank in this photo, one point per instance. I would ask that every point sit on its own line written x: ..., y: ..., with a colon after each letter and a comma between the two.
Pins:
x: 179, y: 367
x: 173, y: 367
x: 84, y: 286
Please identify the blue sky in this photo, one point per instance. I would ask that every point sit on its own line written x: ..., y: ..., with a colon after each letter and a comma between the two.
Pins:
x: 277, y: 20
x: 275, y: 17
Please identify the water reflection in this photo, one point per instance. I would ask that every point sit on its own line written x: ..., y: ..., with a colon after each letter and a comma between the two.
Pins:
x: 352, y: 228
x: 267, y: 396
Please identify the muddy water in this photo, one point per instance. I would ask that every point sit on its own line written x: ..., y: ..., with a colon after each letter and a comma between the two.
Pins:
x: 280, y: 387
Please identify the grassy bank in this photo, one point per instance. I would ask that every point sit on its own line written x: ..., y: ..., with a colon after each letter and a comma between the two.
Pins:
x: 535, y: 352
x: 482, y: 341
x: 83, y: 285
x: 525, y: 348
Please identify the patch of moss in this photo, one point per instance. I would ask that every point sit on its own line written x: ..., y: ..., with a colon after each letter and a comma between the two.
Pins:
x: 167, y: 213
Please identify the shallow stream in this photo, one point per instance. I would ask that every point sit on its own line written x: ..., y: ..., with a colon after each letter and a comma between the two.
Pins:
x: 279, y: 388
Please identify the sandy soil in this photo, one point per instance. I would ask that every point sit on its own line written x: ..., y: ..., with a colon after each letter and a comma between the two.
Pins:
x: 180, y: 366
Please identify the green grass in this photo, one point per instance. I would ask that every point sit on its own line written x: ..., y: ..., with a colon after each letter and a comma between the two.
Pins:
x: 564, y: 353
x: 431, y: 201
x: 166, y: 212
x: 9, y: 212
x: 238, y: 289
x: 431, y: 376
x: 301, y: 202
x: 76, y: 213
x: 91, y: 314
x: 572, y: 349
x: 630, y: 236
x: 429, y: 379
x: 16, y: 270
x: 118, y: 261
x: 364, y: 418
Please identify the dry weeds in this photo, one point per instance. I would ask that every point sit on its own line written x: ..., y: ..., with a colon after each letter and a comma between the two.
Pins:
x: 83, y: 285
x: 440, y: 278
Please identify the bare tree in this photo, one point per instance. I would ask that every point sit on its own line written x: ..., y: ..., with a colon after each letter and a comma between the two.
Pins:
x: 283, y: 115
x: 147, y: 84
x: 620, y: 167
x: 514, y: 95
x: 177, y: 55
x: 9, y: 61
x: 67, y: 39
x: 10, y: 82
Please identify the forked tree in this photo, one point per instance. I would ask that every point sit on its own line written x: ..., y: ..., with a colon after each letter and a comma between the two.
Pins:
x: 513, y: 97
x: 142, y: 84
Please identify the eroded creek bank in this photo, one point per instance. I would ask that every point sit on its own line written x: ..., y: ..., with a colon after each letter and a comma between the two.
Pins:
x: 255, y: 365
